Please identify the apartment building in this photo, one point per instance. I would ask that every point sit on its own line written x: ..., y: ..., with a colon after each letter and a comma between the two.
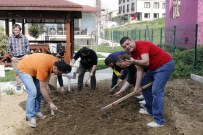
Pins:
x: 141, y: 10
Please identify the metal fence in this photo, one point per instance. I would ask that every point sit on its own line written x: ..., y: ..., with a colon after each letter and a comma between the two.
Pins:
x: 172, y: 39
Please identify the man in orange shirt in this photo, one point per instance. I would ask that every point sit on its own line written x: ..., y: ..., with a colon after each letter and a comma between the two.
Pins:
x: 34, y: 71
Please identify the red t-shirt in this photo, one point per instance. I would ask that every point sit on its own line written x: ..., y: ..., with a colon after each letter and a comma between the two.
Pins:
x: 157, y: 56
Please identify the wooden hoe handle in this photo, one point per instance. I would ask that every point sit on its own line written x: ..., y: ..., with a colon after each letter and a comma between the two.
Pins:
x: 126, y: 97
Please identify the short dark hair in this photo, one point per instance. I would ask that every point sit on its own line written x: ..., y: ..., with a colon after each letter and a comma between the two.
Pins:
x: 108, y: 61
x: 123, y: 39
x: 17, y: 26
x: 84, y: 50
x: 62, y: 66
x: 122, y: 57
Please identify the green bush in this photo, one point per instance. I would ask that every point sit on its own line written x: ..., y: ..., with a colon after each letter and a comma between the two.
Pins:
x: 184, y: 63
x: 3, y: 41
x: 35, y: 31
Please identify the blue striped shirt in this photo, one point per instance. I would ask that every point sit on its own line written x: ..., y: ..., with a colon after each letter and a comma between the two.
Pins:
x: 18, y: 46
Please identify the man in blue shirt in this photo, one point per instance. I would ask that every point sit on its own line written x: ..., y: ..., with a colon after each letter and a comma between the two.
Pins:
x: 118, y: 72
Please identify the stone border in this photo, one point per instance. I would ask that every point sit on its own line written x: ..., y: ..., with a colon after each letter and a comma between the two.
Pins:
x: 197, y: 78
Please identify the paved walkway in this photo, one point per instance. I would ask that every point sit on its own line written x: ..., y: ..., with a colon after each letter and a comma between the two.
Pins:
x: 100, y: 75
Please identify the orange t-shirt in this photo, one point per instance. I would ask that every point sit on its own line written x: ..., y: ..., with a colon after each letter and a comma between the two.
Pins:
x: 37, y: 65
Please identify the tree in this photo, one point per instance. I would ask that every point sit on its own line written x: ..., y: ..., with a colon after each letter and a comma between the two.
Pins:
x: 3, y: 41
x: 35, y: 31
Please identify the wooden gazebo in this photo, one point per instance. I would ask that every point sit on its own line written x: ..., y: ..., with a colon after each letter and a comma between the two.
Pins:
x: 43, y: 11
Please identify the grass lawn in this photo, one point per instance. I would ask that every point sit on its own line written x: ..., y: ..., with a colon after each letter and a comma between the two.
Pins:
x: 109, y: 49
x: 9, y: 76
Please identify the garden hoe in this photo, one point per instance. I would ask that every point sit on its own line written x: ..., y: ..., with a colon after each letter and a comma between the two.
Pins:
x: 112, y: 89
x: 134, y: 93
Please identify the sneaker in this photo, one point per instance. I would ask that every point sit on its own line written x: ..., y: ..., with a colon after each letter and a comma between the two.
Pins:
x: 143, y: 111
x: 32, y: 123
x: 18, y: 88
x: 40, y: 115
x: 142, y: 102
x: 154, y: 124
x: 140, y: 97
x: 142, y: 105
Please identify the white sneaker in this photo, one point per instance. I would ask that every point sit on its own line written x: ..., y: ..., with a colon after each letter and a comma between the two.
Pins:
x: 40, y: 115
x: 32, y: 123
x: 140, y: 97
x: 154, y: 124
x: 19, y: 91
x: 143, y: 111
x: 142, y: 105
x: 142, y: 102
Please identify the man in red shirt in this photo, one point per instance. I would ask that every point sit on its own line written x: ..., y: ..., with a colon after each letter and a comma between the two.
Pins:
x: 160, y: 66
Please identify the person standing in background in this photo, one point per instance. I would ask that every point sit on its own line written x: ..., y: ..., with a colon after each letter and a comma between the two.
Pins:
x: 88, y: 62
x: 17, y: 47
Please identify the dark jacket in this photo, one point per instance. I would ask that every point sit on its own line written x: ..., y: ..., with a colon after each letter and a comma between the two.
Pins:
x: 87, y: 61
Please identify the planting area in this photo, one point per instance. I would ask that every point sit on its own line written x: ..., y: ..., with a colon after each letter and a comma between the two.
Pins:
x: 79, y: 113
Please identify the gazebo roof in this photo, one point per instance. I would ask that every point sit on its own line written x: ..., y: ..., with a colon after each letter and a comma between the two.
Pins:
x: 59, y: 5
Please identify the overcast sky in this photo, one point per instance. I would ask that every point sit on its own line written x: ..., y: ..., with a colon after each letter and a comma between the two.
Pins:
x: 106, y: 4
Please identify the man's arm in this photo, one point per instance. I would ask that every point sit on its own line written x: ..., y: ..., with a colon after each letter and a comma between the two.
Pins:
x: 139, y: 77
x: 93, y: 70
x: 27, y: 45
x: 72, y: 62
x: 60, y: 80
x: 8, y: 46
x: 143, y: 62
x: 124, y: 88
x: 43, y: 89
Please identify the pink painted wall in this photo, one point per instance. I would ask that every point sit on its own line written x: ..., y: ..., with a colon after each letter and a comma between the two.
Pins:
x: 191, y: 13
x: 188, y: 13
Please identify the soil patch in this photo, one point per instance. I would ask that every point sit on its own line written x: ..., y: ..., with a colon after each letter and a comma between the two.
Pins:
x: 79, y: 113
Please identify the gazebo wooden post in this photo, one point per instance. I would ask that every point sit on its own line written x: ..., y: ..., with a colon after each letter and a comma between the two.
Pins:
x: 7, y: 27
x: 67, y: 55
x: 23, y: 27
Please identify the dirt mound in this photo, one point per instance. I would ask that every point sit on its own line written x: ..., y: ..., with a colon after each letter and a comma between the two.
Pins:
x: 79, y: 113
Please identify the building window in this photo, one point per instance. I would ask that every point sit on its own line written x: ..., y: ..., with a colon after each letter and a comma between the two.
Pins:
x: 123, y: 1
x: 146, y: 15
x: 76, y: 24
x: 156, y: 4
x: 128, y: 8
x: 163, y: 15
x: 132, y: 7
x: 120, y: 9
x: 120, y: 1
x: 156, y: 15
x: 123, y: 9
x: 127, y: 0
x: 176, y: 8
x: 147, y: 5
x: 163, y: 5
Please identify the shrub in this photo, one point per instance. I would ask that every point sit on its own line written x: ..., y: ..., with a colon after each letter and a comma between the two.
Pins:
x: 184, y: 63
x: 35, y: 31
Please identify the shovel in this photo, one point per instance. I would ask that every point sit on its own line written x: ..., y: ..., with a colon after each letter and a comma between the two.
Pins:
x: 126, y: 97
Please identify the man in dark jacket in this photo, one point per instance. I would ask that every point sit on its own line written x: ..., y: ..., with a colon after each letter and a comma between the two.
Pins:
x: 88, y: 62
x: 118, y: 72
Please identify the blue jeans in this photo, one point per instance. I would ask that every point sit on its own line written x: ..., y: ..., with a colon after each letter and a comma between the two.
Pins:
x: 154, y: 95
x: 34, y: 94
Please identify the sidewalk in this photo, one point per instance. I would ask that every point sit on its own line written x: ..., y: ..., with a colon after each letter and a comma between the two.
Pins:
x: 100, y: 75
